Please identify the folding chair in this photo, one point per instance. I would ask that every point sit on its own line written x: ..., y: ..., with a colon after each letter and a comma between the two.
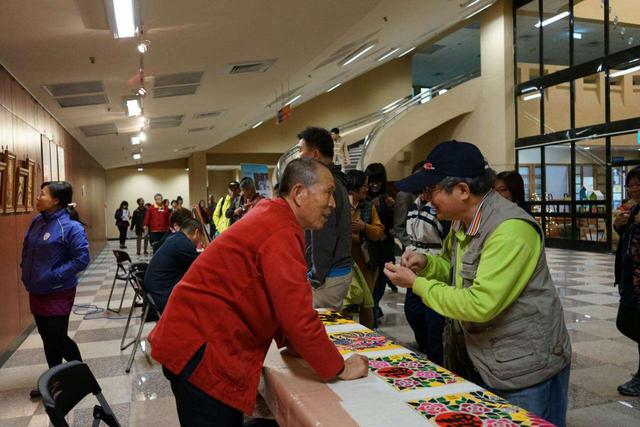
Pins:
x: 123, y: 274
x: 136, y: 275
x: 63, y: 386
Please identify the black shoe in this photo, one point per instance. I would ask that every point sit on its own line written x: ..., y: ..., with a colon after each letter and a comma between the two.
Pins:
x: 138, y: 253
x: 631, y: 387
x: 35, y: 394
x: 146, y: 253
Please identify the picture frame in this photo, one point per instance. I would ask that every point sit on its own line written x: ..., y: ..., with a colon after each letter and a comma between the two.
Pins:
x: 21, y: 185
x: 8, y: 185
x: 46, y: 158
x: 3, y: 179
x: 31, y: 184
x: 53, y: 150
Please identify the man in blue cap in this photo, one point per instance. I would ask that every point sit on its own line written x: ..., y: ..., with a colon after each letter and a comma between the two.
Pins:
x: 492, y: 280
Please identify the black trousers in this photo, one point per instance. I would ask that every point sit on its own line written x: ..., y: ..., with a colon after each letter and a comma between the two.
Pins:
x: 57, y: 344
x: 154, y: 239
x: 427, y: 326
x: 195, y: 407
x: 123, y: 233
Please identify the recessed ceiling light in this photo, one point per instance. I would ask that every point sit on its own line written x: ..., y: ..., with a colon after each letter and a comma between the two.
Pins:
x: 388, y: 54
x: 553, y: 19
x: 627, y: 71
x: 406, y: 51
x: 532, y: 96
x: 333, y: 87
x: 122, y: 16
x: 587, y: 148
x: 471, y: 3
x: 137, y: 156
x: 187, y: 169
x: 133, y: 107
x: 293, y: 100
x: 140, y: 169
x: 143, y: 46
x: 257, y: 124
x: 135, y: 140
x: 479, y: 10
x: 358, y: 53
x: 442, y: 91
x: 142, y: 136
x: 141, y: 91
x: 577, y: 36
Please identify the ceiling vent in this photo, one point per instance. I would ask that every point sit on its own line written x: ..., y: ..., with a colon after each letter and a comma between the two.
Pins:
x: 248, y: 67
x: 99, y: 130
x: 82, y: 100
x: 203, y: 129
x: 178, y: 79
x: 165, y: 122
x: 188, y: 148
x: 71, y: 89
x: 166, y: 92
x: 209, y: 114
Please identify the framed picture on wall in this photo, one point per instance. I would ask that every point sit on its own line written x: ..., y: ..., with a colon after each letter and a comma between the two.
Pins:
x: 31, y: 184
x: 22, y: 180
x: 8, y: 184
x: 3, y: 174
x: 53, y: 152
x: 62, y: 176
x: 46, y: 158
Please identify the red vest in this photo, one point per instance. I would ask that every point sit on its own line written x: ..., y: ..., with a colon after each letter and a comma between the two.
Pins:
x: 247, y: 288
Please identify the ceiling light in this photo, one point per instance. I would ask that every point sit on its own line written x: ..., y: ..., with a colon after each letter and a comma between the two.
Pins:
x: 133, y: 106
x: 479, y: 10
x: 442, y: 91
x: 470, y: 4
x: 142, y: 136
x: 553, y: 19
x: 577, y: 36
x: 388, y: 54
x: 627, y: 71
x: 532, y: 96
x: 143, y: 46
x: 140, y: 169
x: 135, y: 140
x: 586, y: 148
x: 122, y: 16
x: 293, y: 100
x: 391, y: 106
x: 257, y: 124
x: 358, y: 53
x: 137, y: 156
x: 333, y: 87
x: 187, y: 169
x: 143, y: 121
x: 141, y: 91
x: 406, y: 51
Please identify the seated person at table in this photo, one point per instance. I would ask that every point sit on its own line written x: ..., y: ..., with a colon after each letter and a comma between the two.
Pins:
x: 248, y: 288
x: 171, y: 261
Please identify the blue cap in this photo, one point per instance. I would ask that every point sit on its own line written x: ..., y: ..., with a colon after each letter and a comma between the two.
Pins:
x: 449, y: 158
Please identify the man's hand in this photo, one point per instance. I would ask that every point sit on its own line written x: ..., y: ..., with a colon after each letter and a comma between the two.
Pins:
x: 621, y: 219
x: 356, y: 366
x: 357, y: 225
x: 414, y: 261
x: 237, y: 212
x: 399, y: 276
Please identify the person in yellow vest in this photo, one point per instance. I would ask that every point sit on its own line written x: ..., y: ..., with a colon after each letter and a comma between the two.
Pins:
x: 219, y: 218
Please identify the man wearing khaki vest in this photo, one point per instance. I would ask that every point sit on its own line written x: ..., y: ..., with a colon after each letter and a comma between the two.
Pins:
x: 492, y: 280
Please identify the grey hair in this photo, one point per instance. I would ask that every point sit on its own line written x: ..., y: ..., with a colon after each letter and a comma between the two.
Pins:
x: 478, y: 185
x: 303, y: 171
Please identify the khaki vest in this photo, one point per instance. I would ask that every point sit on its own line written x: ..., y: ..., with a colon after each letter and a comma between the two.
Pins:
x: 528, y: 342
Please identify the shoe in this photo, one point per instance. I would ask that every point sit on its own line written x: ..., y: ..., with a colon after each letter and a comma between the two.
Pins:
x: 631, y: 387
x: 146, y: 253
x: 35, y: 394
x: 138, y: 253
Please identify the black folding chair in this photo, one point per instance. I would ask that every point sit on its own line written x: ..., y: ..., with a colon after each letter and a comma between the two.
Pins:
x: 63, y: 386
x: 123, y: 274
x: 136, y: 273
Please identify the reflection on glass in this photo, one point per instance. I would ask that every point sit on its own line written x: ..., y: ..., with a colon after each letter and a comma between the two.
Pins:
x: 590, y: 174
x: 531, y: 172
x: 624, y: 25
x: 588, y: 31
x: 555, y: 33
x: 529, y: 114
x: 590, y: 100
x: 625, y: 148
x: 625, y: 90
x: 527, y: 42
x: 558, y: 190
x: 557, y: 108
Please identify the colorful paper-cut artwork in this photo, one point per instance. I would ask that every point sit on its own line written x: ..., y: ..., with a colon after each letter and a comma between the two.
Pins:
x: 364, y: 340
x: 475, y: 409
x: 331, y: 318
x: 411, y: 371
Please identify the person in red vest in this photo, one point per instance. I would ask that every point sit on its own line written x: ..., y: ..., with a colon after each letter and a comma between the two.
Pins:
x: 245, y: 290
x: 156, y: 221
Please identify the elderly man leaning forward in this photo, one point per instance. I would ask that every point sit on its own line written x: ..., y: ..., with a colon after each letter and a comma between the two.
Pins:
x: 492, y: 279
x: 247, y: 289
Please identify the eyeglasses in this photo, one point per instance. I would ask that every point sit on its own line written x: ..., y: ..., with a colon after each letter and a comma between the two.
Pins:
x: 628, y: 187
x: 431, y: 190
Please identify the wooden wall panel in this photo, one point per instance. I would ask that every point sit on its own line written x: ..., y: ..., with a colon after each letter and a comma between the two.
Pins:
x: 22, y: 121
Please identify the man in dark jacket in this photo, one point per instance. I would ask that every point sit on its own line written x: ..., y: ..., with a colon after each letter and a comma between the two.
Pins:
x: 328, y: 251
x: 171, y: 261
x: 137, y: 224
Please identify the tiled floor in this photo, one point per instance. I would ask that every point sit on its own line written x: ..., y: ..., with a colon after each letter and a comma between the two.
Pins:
x: 602, y: 358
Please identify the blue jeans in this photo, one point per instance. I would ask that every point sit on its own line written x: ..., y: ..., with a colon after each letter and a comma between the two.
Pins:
x: 547, y: 400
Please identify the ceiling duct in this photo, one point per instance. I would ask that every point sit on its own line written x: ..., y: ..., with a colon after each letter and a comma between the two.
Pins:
x: 165, y: 122
x: 99, y: 130
x: 202, y: 129
x: 82, y: 100
x: 209, y: 114
x: 248, y: 67
x: 193, y: 77
x: 75, y: 88
x: 166, y: 92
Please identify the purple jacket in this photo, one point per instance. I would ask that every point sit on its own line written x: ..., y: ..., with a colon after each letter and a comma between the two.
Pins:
x: 55, y: 250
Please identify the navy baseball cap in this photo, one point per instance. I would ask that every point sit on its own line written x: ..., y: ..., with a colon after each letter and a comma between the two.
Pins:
x: 449, y: 158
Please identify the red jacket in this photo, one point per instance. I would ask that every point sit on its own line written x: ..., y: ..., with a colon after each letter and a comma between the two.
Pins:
x: 247, y: 288
x: 157, y: 220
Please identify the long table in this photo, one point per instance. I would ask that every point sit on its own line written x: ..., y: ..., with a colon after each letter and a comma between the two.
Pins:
x: 388, y: 396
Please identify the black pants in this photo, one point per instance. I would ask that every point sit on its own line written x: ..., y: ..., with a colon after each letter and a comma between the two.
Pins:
x: 57, y: 344
x: 154, y: 239
x: 196, y: 408
x: 427, y: 326
x: 123, y: 233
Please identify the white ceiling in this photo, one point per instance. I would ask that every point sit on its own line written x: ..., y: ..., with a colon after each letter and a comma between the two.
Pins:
x: 51, y: 41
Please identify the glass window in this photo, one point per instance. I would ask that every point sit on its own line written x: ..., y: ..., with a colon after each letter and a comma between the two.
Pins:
x: 590, y: 100
x: 558, y: 191
x: 624, y: 31
x: 527, y: 42
x: 529, y: 114
x: 590, y: 174
x: 625, y: 90
x: 588, y: 31
x: 555, y: 33
x: 531, y: 171
x: 625, y: 148
x: 557, y: 108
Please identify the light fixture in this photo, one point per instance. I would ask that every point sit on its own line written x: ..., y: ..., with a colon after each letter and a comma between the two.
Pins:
x: 333, y: 87
x: 532, y: 96
x: 391, y: 106
x: 357, y: 54
x: 143, y: 46
x: 577, y: 36
x: 141, y: 91
x: 133, y: 106
x: 479, y: 10
x: 627, y: 71
x: 470, y: 3
x: 442, y: 91
x: 140, y: 169
x: 142, y: 136
x: 187, y: 169
x: 406, y: 51
x: 586, y: 148
x: 257, y: 124
x: 135, y: 140
x: 293, y: 100
x: 553, y: 19
x: 137, y: 156
x: 388, y: 54
x: 142, y: 122
x: 123, y: 17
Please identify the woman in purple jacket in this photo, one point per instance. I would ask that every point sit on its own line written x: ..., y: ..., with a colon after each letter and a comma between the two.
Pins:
x: 55, y: 250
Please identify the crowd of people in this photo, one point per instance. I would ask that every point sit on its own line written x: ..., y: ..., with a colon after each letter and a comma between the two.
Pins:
x: 459, y: 237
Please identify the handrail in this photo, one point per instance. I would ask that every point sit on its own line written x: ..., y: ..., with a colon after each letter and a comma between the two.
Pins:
x: 392, y: 114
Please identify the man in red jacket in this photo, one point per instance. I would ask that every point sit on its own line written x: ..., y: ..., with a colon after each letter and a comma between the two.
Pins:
x: 248, y: 288
x: 157, y: 221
